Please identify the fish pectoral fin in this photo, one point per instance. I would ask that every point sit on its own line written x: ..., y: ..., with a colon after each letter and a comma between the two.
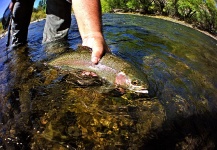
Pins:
x: 111, y: 90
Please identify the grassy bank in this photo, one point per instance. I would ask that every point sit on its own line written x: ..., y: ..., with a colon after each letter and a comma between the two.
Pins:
x: 38, y: 14
x: 199, y: 13
x: 1, y: 29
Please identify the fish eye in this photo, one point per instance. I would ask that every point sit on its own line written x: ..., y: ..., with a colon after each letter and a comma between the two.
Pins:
x: 135, y: 82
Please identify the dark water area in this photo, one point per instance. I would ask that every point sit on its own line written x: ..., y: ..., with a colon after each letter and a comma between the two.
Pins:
x: 43, y: 108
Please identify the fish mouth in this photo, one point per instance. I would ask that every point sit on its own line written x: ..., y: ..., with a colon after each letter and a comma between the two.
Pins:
x: 144, y: 91
x: 139, y: 89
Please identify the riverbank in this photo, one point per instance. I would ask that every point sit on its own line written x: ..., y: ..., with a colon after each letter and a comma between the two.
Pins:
x: 172, y: 20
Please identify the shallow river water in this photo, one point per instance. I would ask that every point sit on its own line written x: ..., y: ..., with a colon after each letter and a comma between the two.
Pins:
x: 42, y: 108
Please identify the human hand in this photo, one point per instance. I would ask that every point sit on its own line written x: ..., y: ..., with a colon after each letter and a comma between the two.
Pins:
x: 11, y: 6
x: 89, y: 18
x: 98, y: 45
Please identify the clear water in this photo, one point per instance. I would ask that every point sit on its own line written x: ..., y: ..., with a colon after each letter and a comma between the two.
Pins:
x: 41, y: 110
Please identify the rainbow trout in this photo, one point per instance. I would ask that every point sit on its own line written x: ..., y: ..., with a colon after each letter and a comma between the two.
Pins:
x: 111, y: 68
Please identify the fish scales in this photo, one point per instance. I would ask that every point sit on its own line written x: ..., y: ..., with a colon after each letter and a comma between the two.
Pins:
x: 112, y: 68
x: 77, y: 60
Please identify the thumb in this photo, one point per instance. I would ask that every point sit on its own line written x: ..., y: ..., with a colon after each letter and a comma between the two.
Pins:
x: 97, y: 53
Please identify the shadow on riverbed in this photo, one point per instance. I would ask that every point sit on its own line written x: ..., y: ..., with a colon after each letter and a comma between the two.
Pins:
x: 46, y: 108
x: 194, y: 132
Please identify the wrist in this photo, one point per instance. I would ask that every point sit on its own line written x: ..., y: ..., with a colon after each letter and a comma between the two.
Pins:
x: 92, y: 35
x: 93, y: 39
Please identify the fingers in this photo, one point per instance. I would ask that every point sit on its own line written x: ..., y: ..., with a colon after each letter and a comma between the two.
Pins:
x: 98, y: 46
x: 97, y: 53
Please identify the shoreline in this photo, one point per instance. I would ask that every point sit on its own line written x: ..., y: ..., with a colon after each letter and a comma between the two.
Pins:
x: 167, y: 18
x: 2, y: 35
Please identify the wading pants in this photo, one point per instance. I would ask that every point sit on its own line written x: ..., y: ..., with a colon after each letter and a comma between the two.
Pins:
x: 22, y: 12
x: 58, y: 20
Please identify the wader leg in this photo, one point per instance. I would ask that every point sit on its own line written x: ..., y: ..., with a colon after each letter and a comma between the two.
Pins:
x: 58, y: 20
x: 22, y: 12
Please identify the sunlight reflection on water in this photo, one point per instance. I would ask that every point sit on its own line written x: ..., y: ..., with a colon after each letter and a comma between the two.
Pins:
x: 41, y: 110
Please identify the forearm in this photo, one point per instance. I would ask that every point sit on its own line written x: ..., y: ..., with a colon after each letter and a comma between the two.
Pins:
x: 89, y: 19
x: 88, y: 14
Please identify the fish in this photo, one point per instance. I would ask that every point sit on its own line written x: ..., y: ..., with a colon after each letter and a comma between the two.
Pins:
x: 113, y: 69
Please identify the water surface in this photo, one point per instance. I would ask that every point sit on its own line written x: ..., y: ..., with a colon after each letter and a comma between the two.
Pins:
x: 42, y: 108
